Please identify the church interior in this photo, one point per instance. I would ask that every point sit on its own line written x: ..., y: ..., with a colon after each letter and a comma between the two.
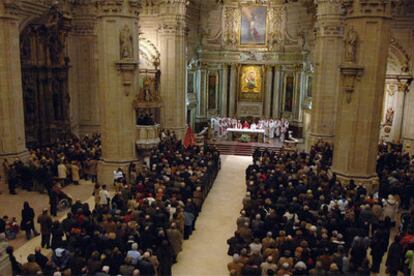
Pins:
x: 206, y: 137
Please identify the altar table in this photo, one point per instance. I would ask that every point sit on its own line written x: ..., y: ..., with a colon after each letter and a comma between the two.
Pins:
x: 251, y: 132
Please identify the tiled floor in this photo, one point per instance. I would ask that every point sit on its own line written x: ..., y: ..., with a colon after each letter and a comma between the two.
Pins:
x: 205, y: 253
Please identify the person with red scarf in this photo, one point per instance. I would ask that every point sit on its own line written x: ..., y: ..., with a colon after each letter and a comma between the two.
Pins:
x: 189, y: 138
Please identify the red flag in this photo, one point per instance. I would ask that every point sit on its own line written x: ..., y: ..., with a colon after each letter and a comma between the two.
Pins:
x: 189, y: 138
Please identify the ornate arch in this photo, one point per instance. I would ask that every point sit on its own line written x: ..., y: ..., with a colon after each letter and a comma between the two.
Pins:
x: 148, y: 54
x: 398, y: 59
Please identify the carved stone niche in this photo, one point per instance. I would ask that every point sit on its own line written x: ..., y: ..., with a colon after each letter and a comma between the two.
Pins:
x: 127, y: 69
x: 350, y: 74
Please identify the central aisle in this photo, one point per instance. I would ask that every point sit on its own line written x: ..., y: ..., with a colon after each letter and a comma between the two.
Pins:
x: 205, y: 253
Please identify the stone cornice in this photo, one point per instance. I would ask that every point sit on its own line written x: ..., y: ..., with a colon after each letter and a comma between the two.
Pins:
x: 368, y: 8
x: 10, y: 9
x: 118, y: 7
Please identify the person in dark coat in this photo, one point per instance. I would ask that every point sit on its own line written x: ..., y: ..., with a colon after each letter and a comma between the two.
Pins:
x: 57, y: 235
x: 12, y: 180
x: 53, y: 201
x: 15, y: 265
x: 41, y: 259
x: 394, y: 258
x: 27, y: 223
x: 378, y: 249
x: 45, y: 222
x: 165, y: 256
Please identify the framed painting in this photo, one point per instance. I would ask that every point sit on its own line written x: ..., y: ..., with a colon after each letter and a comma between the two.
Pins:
x: 251, y: 82
x: 309, y: 90
x: 289, y: 90
x: 253, y: 26
x: 212, y: 91
x: 190, y: 82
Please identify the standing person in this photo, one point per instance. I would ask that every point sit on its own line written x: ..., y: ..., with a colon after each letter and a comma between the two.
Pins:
x: 53, y: 201
x: 132, y: 172
x: 104, y: 196
x: 96, y: 191
x: 12, y: 179
x: 57, y: 235
x: 395, y: 254
x: 6, y: 168
x: 75, y: 173
x: 165, y: 257
x: 15, y: 265
x: 45, y: 221
x: 62, y: 173
x: 91, y: 169
x: 27, y: 223
x: 189, y: 218
x: 378, y: 249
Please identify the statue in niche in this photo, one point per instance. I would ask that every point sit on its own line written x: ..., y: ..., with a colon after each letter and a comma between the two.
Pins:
x: 351, y: 43
x: 147, y: 90
x: 389, y: 116
x: 126, y: 43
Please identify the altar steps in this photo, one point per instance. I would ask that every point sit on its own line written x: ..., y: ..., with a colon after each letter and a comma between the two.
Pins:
x: 243, y: 149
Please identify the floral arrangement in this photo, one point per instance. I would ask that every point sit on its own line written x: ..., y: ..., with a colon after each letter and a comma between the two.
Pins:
x: 244, y: 138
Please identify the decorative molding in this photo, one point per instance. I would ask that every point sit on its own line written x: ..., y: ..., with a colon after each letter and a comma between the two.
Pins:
x: 10, y: 9
x: 232, y: 22
x: 277, y: 27
x: 127, y: 69
x: 114, y: 7
x: 350, y: 74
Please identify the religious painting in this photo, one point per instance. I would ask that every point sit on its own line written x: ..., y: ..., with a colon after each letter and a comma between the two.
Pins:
x: 253, y: 26
x: 309, y: 90
x: 190, y: 82
x: 212, y: 87
x: 289, y: 89
x: 251, y: 82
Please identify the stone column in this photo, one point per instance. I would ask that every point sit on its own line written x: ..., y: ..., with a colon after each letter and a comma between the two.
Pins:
x: 268, y: 95
x: 277, y: 94
x: 117, y: 35
x: 223, y: 90
x: 367, y: 39
x: 12, y: 136
x: 408, y: 123
x: 172, y: 34
x: 327, y: 58
x: 233, y: 90
x: 202, y: 95
x: 83, y: 74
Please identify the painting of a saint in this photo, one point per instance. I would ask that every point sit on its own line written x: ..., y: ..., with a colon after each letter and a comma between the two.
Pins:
x: 251, y: 81
x: 212, y: 81
x: 289, y: 93
x: 253, y: 26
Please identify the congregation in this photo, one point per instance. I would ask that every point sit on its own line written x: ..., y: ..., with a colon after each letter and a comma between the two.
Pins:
x: 299, y: 220
x: 137, y: 231
x: 65, y: 161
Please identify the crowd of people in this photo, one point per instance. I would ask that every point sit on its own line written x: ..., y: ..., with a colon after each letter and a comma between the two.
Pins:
x: 299, y: 220
x: 273, y: 128
x: 65, y: 161
x: 139, y: 229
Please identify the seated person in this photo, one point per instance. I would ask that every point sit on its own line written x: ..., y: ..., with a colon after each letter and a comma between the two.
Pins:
x: 246, y: 125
